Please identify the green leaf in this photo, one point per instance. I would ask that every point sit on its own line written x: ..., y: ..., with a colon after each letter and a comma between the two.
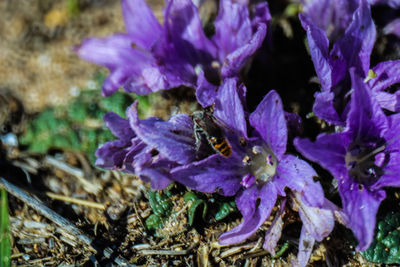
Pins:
x: 160, y: 203
x: 198, y: 204
x: 195, y: 203
x: 385, y: 247
x: 154, y: 222
x: 282, y: 250
x: 5, y: 238
x: 225, y: 209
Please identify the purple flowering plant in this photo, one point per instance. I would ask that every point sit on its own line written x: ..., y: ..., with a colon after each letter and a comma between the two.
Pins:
x: 149, y: 148
x: 364, y: 158
x: 334, y: 16
x: 150, y: 57
x: 351, y: 50
x: 258, y: 172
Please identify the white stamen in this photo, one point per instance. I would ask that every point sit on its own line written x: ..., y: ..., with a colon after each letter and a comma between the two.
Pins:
x: 215, y: 65
x: 198, y: 68
x: 257, y: 150
x: 246, y: 159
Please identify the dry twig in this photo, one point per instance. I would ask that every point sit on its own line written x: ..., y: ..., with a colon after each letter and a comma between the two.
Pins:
x: 89, y: 186
x: 77, y: 201
x: 68, y: 229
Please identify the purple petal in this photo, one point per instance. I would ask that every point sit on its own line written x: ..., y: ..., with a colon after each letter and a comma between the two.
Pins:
x: 232, y: 27
x: 149, y: 80
x: 109, y: 52
x: 140, y: 23
x: 251, y: 223
x: 173, y: 138
x: 313, y: 194
x: 174, y: 62
x: 318, y: 221
x: 390, y: 176
x: 393, y: 27
x: 246, y: 201
x: 306, y: 244
x: 158, y: 178
x: 139, y: 157
x: 205, y: 91
x: 319, y: 49
x: 392, y: 136
x: 261, y: 14
x: 229, y: 107
x: 388, y: 73
x: 361, y: 206
x: 339, y: 214
x: 151, y: 168
x: 333, y: 16
x: 118, y: 126
x: 269, y: 120
x: 294, y: 173
x: 319, y: 12
x: 184, y: 49
x: 111, y: 155
x: 183, y: 24
x: 366, y: 118
x: 274, y: 232
x: 213, y: 174
x: 236, y: 60
x: 328, y: 150
x: 324, y: 108
x: 116, y: 53
x: 356, y: 45
x: 388, y: 101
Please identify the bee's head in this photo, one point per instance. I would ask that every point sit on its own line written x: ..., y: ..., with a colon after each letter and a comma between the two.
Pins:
x: 198, y: 116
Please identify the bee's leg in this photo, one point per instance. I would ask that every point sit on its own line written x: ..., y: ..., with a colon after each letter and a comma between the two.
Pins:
x: 198, y: 134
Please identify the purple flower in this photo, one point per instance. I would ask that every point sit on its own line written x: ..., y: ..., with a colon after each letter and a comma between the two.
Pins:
x: 317, y: 224
x: 151, y: 57
x: 259, y: 171
x: 384, y: 76
x: 364, y: 158
x: 332, y: 16
x: 149, y: 148
x: 351, y: 50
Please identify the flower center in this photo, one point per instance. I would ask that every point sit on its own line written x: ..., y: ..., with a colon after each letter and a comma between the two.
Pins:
x: 261, y: 165
x: 365, y: 162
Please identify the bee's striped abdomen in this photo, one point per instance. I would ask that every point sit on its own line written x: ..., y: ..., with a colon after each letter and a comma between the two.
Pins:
x: 222, y: 147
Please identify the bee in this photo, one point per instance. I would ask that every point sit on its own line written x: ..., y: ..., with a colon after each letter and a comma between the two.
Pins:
x: 205, y: 125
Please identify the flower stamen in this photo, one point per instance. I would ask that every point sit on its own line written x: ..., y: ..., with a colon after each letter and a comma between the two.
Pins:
x: 261, y: 165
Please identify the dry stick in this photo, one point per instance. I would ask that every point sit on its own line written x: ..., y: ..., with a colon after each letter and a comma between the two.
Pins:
x: 85, y: 164
x: 235, y: 250
x: 46, y: 212
x: 25, y: 166
x: 166, y: 252
x: 77, y: 201
x: 39, y: 207
x: 138, y: 215
x: 90, y: 186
